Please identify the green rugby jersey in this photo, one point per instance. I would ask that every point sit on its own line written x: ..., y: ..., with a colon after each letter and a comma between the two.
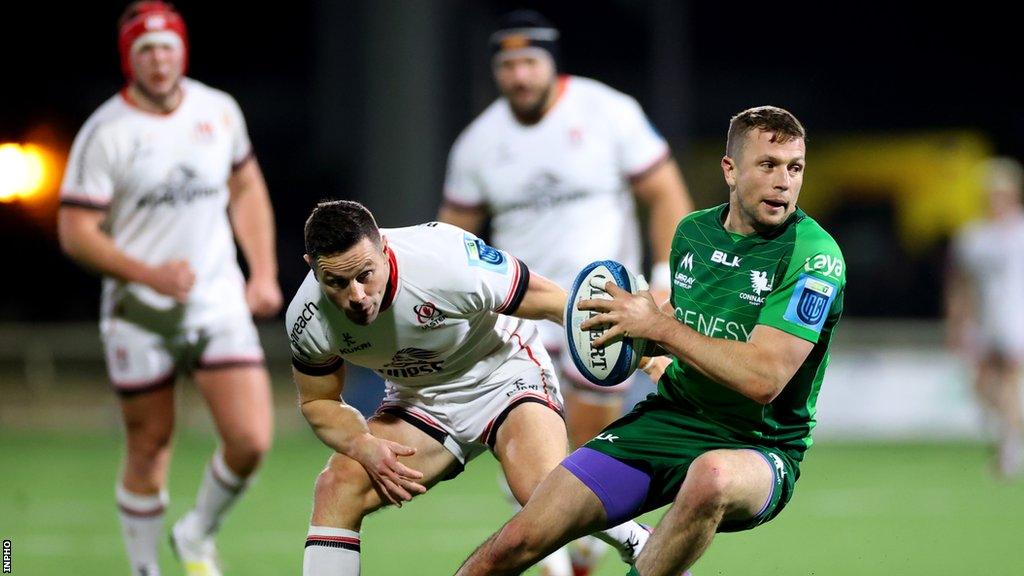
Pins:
x: 724, y: 284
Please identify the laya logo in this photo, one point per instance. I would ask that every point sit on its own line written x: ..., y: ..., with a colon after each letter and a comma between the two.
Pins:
x: 412, y: 362
x: 725, y: 259
x: 480, y: 254
x: 428, y: 315
x: 825, y: 264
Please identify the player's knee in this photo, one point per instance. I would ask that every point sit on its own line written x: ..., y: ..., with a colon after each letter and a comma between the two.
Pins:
x: 516, y: 543
x: 248, y: 448
x: 343, y: 486
x: 146, y: 443
x: 709, y: 483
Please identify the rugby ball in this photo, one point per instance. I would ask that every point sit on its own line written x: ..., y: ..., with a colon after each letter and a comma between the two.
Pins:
x: 615, y: 362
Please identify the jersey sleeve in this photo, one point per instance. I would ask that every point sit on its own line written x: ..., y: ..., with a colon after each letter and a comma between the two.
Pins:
x: 461, y: 184
x: 639, y: 147
x: 491, y: 279
x: 811, y: 291
x: 310, y: 347
x: 89, y: 176
x: 241, y: 146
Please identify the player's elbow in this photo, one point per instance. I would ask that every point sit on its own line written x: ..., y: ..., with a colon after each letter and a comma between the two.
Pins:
x: 765, y: 388
x: 759, y: 390
x: 68, y: 239
x: 766, y: 395
x: 73, y: 233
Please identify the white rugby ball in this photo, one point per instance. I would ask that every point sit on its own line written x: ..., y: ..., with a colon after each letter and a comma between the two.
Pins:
x: 615, y: 362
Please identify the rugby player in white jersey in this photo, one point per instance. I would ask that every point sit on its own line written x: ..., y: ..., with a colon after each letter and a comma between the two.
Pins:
x: 440, y: 316
x: 158, y: 179
x: 558, y: 160
x: 984, y: 308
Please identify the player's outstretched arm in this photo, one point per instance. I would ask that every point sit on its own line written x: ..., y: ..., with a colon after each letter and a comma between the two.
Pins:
x: 959, y: 307
x: 758, y: 368
x: 83, y: 240
x: 469, y: 218
x: 664, y: 195
x: 252, y: 218
x: 544, y: 300
x: 342, y: 428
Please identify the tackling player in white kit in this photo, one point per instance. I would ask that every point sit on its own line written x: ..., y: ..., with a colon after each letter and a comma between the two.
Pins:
x: 439, y: 315
x: 158, y: 179
x: 558, y: 160
x: 985, y: 317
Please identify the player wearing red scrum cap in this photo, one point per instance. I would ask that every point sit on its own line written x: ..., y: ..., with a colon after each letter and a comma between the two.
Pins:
x: 159, y: 181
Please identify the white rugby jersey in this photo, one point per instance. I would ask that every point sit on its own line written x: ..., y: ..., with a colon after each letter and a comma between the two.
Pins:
x: 162, y: 180
x: 442, y: 324
x: 559, y: 191
x: 991, y: 253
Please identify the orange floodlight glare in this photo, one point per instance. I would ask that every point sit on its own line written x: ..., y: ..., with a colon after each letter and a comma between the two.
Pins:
x: 25, y: 170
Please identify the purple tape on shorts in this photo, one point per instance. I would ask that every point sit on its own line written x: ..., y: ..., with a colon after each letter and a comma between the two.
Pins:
x: 620, y: 487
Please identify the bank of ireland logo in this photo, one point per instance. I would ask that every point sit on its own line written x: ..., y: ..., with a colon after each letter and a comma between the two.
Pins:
x: 810, y: 303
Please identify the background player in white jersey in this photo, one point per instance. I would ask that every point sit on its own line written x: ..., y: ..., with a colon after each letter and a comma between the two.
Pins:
x: 438, y: 314
x: 556, y: 162
x: 152, y: 180
x: 986, y: 310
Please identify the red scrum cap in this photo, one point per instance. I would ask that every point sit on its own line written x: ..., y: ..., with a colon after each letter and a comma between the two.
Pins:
x: 143, y: 19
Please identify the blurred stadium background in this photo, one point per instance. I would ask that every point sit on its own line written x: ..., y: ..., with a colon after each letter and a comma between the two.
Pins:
x: 361, y: 99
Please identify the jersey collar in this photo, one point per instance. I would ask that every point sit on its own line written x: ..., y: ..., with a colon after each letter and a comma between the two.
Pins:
x: 796, y: 216
x: 392, y: 288
x: 126, y: 97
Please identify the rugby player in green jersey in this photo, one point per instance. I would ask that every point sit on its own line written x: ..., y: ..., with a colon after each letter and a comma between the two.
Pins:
x: 757, y: 291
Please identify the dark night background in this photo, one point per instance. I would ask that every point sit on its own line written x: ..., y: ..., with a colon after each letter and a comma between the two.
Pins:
x: 362, y: 100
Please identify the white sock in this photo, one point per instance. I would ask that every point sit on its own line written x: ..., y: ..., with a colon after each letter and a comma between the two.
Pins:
x: 331, y: 552
x: 142, y: 519
x: 628, y: 538
x: 558, y: 563
x: 219, y: 489
x: 587, y: 551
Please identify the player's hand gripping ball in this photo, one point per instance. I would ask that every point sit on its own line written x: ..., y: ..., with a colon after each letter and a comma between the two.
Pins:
x: 615, y: 362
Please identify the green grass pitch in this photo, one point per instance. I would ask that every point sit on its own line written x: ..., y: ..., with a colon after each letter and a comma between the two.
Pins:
x: 859, y: 509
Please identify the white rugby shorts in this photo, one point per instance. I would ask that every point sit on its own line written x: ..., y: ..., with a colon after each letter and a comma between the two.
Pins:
x: 466, y: 419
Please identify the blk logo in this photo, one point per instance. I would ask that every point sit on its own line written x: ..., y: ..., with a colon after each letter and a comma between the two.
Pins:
x: 725, y: 259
